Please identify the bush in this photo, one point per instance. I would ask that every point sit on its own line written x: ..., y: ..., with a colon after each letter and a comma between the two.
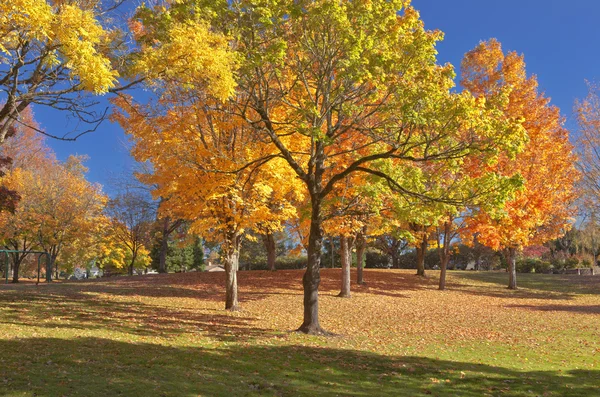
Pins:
x: 533, y: 265
x: 281, y: 263
x: 571, y: 263
x: 376, y: 260
x: 586, y: 263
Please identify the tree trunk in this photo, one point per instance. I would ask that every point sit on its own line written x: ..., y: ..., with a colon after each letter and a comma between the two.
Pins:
x: 511, y: 258
x: 133, y: 257
x: 444, y: 255
x: 17, y: 260
x: 49, y: 267
x: 164, y: 246
x: 269, y: 242
x: 396, y: 261
x: 16, y: 266
x: 312, y: 276
x: 332, y: 255
x: 421, y: 251
x: 345, y: 258
x: 232, y: 256
x: 361, y: 244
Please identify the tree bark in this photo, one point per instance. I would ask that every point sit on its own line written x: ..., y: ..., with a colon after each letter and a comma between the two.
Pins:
x: 16, y: 266
x: 444, y: 255
x: 164, y: 246
x: 17, y: 260
x: 396, y: 261
x: 361, y: 244
x: 421, y: 251
x: 511, y: 258
x: 49, y: 266
x: 269, y: 242
x: 345, y: 258
x: 232, y: 256
x: 312, y: 276
x: 133, y: 257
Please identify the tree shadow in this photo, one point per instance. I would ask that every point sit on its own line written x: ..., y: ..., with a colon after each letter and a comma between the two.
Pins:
x: 71, y: 309
x: 530, y: 286
x: 543, y: 282
x: 101, y: 367
x: 591, y: 309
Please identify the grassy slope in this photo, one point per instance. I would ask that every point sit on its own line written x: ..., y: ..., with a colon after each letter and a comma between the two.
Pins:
x: 167, y: 335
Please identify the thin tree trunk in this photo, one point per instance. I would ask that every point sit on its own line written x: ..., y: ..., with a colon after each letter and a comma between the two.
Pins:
x: 361, y: 244
x: 511, y: 258
x: 332, y: 255
x: 421, y: 251
x: 345, y: 258
x: 164, y: 246
x: 18, y: 259
x: 312, y: 276
x: 444, y: 255
x: 269, y: 242
x: 49, y: 267
x: 133, y: 257
x: 16, y: 266
x: 396, y: 261
x: 232, y: 256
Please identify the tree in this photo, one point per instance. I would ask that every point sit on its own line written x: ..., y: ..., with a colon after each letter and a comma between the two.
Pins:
x: 213, y: 170
x: 28, y: 157
x: 337, y: 88
x: 198, y: 255
x: 131, y: 215
x: 542, y: 209
x: 588, y: 117
x: 53, y: 53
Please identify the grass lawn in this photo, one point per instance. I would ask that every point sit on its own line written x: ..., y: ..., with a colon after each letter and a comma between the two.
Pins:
x: 168, y: 335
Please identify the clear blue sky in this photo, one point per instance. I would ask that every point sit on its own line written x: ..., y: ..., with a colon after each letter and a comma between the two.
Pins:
x: 560, y: 41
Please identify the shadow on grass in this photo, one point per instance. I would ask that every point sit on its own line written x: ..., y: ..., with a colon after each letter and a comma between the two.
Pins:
x: 102, y: 367
x: 253, y: 285
x: 531, y: 286
x: 72, y: 310
x: 581, y: 309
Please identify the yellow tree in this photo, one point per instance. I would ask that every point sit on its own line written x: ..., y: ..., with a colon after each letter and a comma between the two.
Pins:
x: 29, y: 158
x: 66, y: 206
x: 542, y: 209
x: 215, y: 171
x: 52, y: 53
x: 131, y: 217
x: 337, y: 88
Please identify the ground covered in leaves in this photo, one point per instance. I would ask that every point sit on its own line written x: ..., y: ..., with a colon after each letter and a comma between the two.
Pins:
x: 168, y: 335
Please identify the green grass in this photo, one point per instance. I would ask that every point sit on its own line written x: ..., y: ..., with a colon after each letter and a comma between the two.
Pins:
x: 399, y: 336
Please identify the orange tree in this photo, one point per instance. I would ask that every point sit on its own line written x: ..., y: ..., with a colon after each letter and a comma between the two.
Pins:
x: 542, y: 209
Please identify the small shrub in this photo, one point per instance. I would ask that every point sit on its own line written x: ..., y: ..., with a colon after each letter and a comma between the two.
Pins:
x: 572, y: 263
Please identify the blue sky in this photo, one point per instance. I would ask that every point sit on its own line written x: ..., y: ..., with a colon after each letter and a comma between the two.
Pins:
x: 560, y: 41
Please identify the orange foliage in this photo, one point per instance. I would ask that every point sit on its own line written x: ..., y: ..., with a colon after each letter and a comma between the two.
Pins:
x: 542, y: 209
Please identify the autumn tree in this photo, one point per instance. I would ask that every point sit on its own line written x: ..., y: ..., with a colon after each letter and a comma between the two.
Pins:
x: 337, y: 88
x: 212, y: 166
x: 55, y: 54
x: 131, y: 216
x: 588, y: 144
x: 29, y: 156
x: 542, y: 209
x: 60, y: 208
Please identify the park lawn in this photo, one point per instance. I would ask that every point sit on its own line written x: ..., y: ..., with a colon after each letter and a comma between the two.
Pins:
x: 168, y: 335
